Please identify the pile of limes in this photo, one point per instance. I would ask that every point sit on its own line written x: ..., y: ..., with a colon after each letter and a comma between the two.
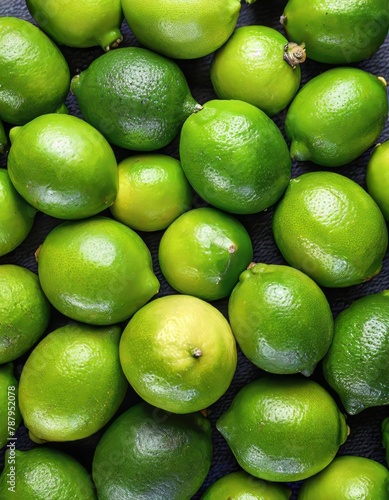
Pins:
x: 186, y: 308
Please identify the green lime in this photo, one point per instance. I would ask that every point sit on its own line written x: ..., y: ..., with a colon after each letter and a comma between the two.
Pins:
x: 42, y: 474
x: 385, y: 437
x: 242, y: 486
x: 328, y: 226
x: 356, y: 365
x: 281, y: 319
x: 3, y: 138
x: 178, y: 353
x: 235, y: 156
x: 10, y: 416
x: 16, y: 215
x: 63, y: 166
x: 143, y: 106
x: 337, y: 31
x: 97, y: 271
x: 203, y: 253
x: 24, y: 311
x: 283, y: 428
x: 258, y: 66
x: 348, y: 478
x: 150, y: 454
x: 336, y: 116
x: 80, y: 24
x: 34, y: 74
x: 377, y: 177
x: 72, y: 383
x: 180, y: 29
x: 153, y: 192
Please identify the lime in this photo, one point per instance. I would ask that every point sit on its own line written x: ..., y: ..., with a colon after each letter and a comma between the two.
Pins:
x: 180, y: 29
x: 337, y: 31
x: 235, y: 156
x: 281, y: 319
x: 153, y: 192
x: 377, y: 177
x: 348, y: 478
x: 24, y: 311
x: 143, y: 98
x: 283, y: 428
x: 42, y: 474
x: 113, y: 262
x: 63, y: 166
x: 178, y: 353
x: 16, y: 215
x: 10, y: 416
x: 258, y: 66
x: 385, y: 437
x: 3, y: 138
x: 328, y: 226
x: 336, y: 116
x: 80, y: 24
x: 356, y: 365
x: 241, y: 486
x: 58, y: 395
x: 34, y: 74
x: 149, y: 454
x: 203, y: 253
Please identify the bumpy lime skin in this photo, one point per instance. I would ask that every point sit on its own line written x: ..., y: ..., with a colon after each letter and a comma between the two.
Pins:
x: 377, y: 177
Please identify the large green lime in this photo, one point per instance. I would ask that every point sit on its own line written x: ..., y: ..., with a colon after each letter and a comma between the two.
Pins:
x: 377, y: 177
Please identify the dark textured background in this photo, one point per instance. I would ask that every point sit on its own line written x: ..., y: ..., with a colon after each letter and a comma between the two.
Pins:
x: 365, y: 437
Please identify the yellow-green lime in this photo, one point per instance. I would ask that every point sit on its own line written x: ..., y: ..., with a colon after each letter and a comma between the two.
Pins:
x: 356, y: 365
x: 97, y: 271
x: 178, y: 353
x: 336, y: 116
x: 377, y: 177
x: 258, y: 66
x: 203, y: 252
x: 151, y: 454
x: 181, y: 29
x: 24, y: 311
x: 385, y: 437
x: 348, y: 478
x: 80, y: 24
x: 329, y: 227
x: 35, y: 76
x: 10, y: 416
x: 3, y: 138
x: 63, y: 166
x: 42, y: 474
x: 242, y: 486
x: 283, y: 428
x: 234, y: 156
x: 16, y: 215
x: 153, y: 192
x: 337, y: 31
x: 281, y: 319
x: 143, y: 98
x: 72, y: 383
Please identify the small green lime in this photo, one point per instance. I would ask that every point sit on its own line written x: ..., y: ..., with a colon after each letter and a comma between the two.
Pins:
x: 377, y: 177
x: 143, y: 98
x: 283, y: 428
x: 153, y: 192
x: 42, y: 474
x: 281, y: 319
x: 16, y: 215
x: 63, y: 166
x: 336, y: 116
x: 356, y: 365
x: 258, y: 66
x: 328, y: 226
x: 34, y: 74
x: 24, y: 311
x: 348, y: 478
x: 10, y: 416
x: 235, y: 157
x: 150, y: 454
x: 242, y: 486
x: 72, y: 383
x: 203, y: 252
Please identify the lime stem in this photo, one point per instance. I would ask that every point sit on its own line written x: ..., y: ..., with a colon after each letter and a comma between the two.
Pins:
x: 294, y: 54
x: 196, y: 352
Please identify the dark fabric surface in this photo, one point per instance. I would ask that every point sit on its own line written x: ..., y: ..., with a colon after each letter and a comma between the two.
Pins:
x: 365, y: 437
